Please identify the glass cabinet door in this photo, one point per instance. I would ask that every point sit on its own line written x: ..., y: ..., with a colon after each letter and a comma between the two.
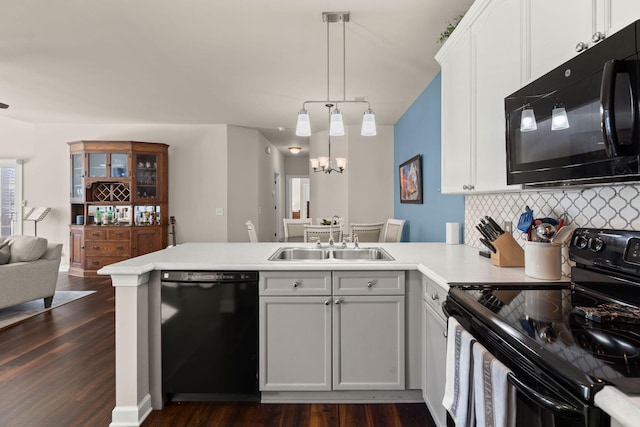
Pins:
x: 119, y: 165
x: 77, y: 189
x: 97, y: 165
x: 146, y: 176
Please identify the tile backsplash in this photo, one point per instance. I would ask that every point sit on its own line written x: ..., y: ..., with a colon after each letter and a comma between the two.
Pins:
x: 615, y: 207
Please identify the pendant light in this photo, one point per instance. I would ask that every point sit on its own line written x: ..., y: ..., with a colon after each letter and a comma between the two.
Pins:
x: 336, y: 123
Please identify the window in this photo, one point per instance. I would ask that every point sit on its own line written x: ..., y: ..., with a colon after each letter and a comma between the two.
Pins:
x: 10, y: 197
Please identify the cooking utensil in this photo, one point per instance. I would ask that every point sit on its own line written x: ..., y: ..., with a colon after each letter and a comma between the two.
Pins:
x: 562, y: 235
x: 524, y: 223
x: 545, y: 231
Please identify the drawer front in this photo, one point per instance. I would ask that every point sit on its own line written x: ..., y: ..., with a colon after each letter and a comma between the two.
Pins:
x: 118, y: 233
x: 379, y: 282
x: 433, y: 294
x: 96, y: 263
x: 106, y: 248
x: 295, y: 283
x: 95, y: 233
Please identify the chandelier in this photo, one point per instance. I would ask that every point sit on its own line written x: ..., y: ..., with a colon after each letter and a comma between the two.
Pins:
x: 336, y: 124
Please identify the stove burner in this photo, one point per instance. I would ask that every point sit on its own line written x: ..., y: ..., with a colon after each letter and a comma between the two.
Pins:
x: 618, y: 347
x: 610, y: 312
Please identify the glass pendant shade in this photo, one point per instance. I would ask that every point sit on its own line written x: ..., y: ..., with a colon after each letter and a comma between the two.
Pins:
x: 559, y: 118
x: 315, y: 163
x: 341, y: 163
x: 528, y: 120
x: 324, y: 162
x: 303, y: 127
x: 368, y: 124
x: 336, y: 126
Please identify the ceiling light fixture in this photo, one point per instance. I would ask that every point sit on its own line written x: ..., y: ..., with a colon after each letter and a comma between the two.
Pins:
x: 294, y: 150
x: 336, y: 124
x: 323, y: 164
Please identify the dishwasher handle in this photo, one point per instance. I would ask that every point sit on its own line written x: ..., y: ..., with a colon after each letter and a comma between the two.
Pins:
x: 546, y: 402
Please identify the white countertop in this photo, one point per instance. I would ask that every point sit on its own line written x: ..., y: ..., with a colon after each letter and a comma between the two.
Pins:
x: 440, y: 262
x: 443, y: 263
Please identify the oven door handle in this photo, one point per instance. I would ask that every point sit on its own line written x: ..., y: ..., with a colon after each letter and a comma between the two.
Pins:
x: 546, y: 402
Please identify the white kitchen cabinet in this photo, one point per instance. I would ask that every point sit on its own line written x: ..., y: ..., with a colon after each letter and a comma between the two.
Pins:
x: 554, y: 39
x: 456, y: 165
x: 434, y: 350
x: 495, y: 76
x: 353, y: 339
x: 368, y: 343
x: 295, y: 343
x: 480, y: 67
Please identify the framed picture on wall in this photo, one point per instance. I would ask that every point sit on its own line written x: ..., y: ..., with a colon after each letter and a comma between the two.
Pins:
x: 411, y: 181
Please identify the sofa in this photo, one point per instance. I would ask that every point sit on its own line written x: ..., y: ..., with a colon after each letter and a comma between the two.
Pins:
x: 28, y: 269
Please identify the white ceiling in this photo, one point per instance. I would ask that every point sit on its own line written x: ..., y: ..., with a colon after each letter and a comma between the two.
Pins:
x: 241, y: 62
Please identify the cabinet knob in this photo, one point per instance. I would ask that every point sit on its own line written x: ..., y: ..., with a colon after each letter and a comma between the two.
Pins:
x: 370, y: 284
x: 296, y: 284
x: 597, y: 37
x: 435, y: 297
x: 582, y: 46
x: 96, y: 247
x: 337, y: 301
x: 327, y: 302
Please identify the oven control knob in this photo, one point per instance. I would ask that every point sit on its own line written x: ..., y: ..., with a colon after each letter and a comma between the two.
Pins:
x: 596, y: 244
x: 580, y: 242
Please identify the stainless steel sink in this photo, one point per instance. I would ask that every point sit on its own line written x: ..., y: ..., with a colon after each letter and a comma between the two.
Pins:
x: 362, y: 254
x: 291, y: 254
x: 318, y: 254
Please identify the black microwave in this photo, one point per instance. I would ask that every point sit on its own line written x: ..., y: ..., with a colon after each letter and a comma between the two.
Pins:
x: 578, y: 124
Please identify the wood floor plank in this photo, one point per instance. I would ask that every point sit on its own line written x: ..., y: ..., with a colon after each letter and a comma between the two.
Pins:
x: 57, y: 369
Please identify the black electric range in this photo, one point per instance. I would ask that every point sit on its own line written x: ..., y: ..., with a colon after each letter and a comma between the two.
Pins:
x: 582, y: 335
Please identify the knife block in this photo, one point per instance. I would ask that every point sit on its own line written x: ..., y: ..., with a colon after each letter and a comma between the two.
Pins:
x: 508, y: 252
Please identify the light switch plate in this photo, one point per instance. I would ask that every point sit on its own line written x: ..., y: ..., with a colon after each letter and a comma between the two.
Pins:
x: 219, y: 211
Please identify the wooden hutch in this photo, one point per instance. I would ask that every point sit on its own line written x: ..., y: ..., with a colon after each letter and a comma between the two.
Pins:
x: 119, y: 202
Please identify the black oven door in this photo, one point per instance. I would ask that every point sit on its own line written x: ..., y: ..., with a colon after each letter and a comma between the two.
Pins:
x: 540, y: 401
x: 599, y: 93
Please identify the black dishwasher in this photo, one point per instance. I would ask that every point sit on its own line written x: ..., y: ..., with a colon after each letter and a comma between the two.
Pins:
x: 209, y: 335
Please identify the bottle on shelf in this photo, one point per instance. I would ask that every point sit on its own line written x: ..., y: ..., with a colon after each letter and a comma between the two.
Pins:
x: 98, y: 216
x: 110, y: 216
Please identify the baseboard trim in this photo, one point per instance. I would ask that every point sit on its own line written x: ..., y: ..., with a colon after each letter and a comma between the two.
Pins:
x: 131, y: 416
x: 374, y: 396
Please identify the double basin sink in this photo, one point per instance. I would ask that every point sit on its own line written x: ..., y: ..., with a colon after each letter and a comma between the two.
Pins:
x: 318, y: 254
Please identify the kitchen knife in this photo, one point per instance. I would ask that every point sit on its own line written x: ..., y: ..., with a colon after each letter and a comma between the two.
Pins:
x: 495, y: 225
x: 483, y: 232
x: 488, y: 244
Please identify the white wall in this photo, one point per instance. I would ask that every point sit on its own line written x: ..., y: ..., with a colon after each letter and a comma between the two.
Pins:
x: 296, y: 165
x: 364, y: 192
x: 199, y: 159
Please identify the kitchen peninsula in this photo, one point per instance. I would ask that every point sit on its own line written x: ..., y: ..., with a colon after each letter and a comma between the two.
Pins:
x: 138, y: 317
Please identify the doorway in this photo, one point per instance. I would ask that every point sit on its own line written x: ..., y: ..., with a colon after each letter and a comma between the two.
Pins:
x: 298, y: 197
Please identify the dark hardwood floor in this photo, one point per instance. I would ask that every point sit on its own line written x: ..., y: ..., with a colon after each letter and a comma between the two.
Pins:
x: 57, y: 369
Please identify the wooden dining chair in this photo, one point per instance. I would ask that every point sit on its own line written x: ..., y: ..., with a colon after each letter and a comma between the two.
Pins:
x: 294, y: 227
x: 393, y: 230
x: 366, y: 232
x: 314, y: 233
x: 253, y: 238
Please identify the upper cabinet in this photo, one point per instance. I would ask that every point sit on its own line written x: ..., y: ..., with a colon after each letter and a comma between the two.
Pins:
x: 474, y: 83
x: 554, y: 39
x: 498, y: 47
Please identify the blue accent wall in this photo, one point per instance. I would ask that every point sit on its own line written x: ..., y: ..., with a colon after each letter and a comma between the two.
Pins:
x: 418, y: 132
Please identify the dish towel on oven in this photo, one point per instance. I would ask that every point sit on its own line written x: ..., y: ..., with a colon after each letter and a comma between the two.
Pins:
x: 495, y: 397
x: 458, y: 391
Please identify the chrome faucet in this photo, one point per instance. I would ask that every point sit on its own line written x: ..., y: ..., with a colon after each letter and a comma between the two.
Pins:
x: 337, y: 219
